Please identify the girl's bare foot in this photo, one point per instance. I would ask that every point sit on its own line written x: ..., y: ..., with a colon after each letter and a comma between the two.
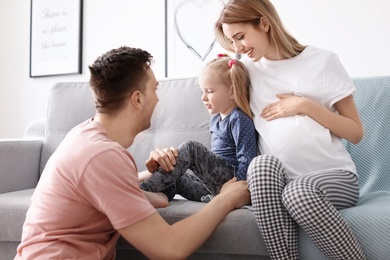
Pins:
x: 157, y: 199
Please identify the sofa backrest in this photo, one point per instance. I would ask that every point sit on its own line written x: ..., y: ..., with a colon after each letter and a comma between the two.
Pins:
x: 179, y: 115
x: 372, y: 154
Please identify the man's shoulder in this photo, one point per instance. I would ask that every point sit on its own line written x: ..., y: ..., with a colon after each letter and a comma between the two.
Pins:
x: 86, y: 142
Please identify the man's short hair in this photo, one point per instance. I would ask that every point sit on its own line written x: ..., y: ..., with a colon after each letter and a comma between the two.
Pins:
x: 116, y: 74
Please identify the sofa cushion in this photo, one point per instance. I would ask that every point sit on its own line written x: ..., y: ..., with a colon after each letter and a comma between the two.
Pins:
x: 370, y: 222
x: 19, y: 164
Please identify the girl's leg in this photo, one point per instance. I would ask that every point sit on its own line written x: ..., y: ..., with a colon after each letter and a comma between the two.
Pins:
x: 191, y: 187
x: 266, y: 181
x: 313, y: 200
x: 210, y: 169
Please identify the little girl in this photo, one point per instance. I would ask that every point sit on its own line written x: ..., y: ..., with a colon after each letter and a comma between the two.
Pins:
x: 224, y: 83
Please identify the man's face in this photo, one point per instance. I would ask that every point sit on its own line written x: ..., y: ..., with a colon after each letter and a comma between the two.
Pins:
x: 150, y: 96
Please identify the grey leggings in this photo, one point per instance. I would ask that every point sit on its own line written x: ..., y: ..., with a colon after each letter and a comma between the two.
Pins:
x: 310, y: 201
x: 208, y: 173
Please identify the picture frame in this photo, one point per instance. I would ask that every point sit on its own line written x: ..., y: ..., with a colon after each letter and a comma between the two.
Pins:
x: 55, y: 37
x: 190, y: 40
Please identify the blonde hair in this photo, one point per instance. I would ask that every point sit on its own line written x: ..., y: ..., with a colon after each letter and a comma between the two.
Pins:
x: 250, y: 11
x: 232, y: 73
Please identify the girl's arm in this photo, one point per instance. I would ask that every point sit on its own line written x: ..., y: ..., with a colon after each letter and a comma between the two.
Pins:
x: 166, y: 158
x: 345, y: 124
x: 245, y: 138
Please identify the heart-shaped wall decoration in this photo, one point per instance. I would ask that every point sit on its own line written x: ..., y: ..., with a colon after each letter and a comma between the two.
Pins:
x: 194, y: 24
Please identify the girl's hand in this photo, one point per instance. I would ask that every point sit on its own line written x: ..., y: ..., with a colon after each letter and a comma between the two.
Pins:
x: 166, y: 158
x: 287, y: 105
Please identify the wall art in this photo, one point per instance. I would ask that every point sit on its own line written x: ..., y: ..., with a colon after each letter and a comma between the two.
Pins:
x: 190, y: 35
x: 56, y: 37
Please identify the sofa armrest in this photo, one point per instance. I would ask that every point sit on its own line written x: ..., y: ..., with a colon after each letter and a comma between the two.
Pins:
x: 19, y: 164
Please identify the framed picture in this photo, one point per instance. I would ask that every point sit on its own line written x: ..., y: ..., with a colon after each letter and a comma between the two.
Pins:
x: 56, y: 37
x: 190, y: 38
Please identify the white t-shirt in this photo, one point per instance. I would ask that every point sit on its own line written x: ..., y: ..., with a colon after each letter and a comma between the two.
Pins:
x: 302, y: 144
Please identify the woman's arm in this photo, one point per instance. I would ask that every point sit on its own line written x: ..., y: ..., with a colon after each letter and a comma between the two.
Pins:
x: 345, y: 124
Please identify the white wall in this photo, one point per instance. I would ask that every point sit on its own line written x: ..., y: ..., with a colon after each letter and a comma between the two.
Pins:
x: 357, y: 30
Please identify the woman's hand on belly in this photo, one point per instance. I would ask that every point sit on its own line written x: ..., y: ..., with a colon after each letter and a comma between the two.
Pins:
x: 287, y: 105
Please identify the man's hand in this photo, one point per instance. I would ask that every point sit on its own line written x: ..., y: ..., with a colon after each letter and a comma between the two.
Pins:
x: 166, y: 158
x: 237, y: 192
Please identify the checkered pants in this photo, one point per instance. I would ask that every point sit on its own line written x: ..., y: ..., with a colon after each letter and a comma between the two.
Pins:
x: 310, y: 201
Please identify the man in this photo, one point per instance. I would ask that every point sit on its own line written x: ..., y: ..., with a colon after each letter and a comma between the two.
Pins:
x: 89, y: 191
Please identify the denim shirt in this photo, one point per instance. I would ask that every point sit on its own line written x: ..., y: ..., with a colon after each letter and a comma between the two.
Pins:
x: 234, y: 139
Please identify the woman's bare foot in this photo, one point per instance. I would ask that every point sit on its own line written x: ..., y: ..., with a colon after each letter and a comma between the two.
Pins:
x: 157, y: 199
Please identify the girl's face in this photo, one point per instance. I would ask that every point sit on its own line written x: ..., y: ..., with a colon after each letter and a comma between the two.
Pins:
x: 217, y: 97
x: 250, y: 40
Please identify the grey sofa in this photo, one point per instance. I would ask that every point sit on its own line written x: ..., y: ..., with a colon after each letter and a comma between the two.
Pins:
x: 180, y: 116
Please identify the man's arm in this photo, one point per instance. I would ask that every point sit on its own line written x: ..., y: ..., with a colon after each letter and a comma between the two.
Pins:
x: 155, y: 238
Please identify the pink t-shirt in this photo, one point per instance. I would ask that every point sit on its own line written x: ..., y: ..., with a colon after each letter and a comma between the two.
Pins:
x: 88, y: 190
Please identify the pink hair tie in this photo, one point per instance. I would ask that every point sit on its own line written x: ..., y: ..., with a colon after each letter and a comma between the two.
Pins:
x: 220, y: 55
x: 231, y: 62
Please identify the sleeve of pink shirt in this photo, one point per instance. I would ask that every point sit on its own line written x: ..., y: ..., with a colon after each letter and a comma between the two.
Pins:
x: 110, y: 183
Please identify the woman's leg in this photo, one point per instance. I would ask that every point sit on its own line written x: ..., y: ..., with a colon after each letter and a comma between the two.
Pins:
x: 266, y: 181
x: 210, y: 169
x: 313, y: 200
